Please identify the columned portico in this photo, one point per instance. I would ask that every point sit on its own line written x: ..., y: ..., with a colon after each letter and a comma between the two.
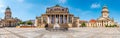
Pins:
x: 60, y: 13
x: 62, y: 19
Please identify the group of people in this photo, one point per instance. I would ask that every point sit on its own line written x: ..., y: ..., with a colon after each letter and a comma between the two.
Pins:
x: 55, y: 27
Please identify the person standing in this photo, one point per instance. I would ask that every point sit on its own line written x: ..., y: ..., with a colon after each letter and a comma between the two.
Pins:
x: 46, y: 26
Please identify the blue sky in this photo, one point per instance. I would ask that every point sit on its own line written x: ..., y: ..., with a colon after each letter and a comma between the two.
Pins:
x: 85, y: 9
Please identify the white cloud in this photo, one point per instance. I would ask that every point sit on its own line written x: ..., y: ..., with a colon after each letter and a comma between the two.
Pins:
x: 20, y: 1
x: 19, y: 8
x: 62, y: 1
x: 95, y: 5
x: 2, y: 6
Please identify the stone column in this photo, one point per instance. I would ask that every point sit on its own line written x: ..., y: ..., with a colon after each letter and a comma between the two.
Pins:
x: 47, y: 19
x: 63, y: 18
x: 50, y: 18
x: 55, y: 18
x: 59, y: 19
x: 72, y: 19
x: 36, y: 22
x: 67, y: 18
x: 41, y: 20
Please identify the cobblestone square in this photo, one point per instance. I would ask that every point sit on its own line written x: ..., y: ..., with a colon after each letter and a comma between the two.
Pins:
x: 71, y: 33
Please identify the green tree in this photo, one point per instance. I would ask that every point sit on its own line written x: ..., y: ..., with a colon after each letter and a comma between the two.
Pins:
x: 106, y: 26
x: 114, y: 25
x: 21, y: 23
x: 29, y: 23
x: 83, y: 25
x: 110, y: 25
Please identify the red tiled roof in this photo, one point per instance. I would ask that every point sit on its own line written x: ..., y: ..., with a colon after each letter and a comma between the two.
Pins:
x: 92, y: 21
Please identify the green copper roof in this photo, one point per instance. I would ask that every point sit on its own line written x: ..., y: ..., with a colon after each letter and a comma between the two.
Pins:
x: 57, y: 5
x: 8, y: 8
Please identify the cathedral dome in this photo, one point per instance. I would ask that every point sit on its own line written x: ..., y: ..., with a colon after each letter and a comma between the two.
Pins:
x: 105, y: 8
x: 8, y: 8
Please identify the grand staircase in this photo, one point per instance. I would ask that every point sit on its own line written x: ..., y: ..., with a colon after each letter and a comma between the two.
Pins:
x: 61, y: 25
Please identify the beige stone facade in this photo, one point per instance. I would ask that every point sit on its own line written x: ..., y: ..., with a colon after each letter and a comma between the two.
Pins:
x: 65, y: 19
x: 8, y: 20
x: 103, y: 20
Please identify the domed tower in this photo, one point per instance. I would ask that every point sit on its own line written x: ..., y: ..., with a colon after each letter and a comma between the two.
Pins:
x: 7, y: 13
x: 105, y: 12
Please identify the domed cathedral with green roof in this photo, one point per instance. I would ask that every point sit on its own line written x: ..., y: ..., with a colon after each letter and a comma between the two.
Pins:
x: 8, y: 20
x: 57, y: 12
